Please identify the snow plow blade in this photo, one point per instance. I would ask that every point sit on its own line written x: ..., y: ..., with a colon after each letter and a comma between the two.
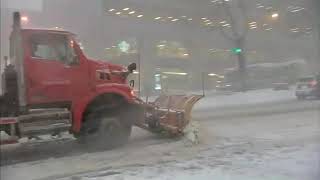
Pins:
x: 169, y: 113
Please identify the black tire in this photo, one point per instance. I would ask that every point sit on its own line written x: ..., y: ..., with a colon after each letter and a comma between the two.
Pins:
x: 104, y: 131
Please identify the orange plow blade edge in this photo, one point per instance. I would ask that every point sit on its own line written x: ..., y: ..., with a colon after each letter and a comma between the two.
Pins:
x: 169, y: 113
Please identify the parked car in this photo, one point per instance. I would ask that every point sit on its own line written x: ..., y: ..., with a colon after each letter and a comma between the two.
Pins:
x: 307, y: 87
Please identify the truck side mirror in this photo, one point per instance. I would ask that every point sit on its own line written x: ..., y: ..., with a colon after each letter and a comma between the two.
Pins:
x: 132, y: 67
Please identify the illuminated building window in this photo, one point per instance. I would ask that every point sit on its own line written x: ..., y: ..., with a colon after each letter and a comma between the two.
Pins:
x: 172, y: 49
x: 170, y: 79
x: 157, y: 78
x: 121, y: 48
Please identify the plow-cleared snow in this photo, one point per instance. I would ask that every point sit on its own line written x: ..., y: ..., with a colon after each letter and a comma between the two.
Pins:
x: 294, y: 163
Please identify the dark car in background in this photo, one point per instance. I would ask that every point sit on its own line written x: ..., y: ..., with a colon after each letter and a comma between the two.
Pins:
x: 307, y: 87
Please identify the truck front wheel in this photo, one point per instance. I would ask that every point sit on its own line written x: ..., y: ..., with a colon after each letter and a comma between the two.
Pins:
x: 104, y: 131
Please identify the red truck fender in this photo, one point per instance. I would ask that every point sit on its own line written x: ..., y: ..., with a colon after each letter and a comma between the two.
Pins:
x: 80, y: 105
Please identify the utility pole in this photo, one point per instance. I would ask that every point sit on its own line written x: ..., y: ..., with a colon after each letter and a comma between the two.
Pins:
x: 313, y: 9
x: 316, y: 20
x: 242, y: 62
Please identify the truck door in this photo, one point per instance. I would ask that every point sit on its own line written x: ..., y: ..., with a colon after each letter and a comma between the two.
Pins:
x: 51, y: 69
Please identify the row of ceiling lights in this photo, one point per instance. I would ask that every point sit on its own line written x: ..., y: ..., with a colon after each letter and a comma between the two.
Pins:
x: 219, y: 1
x: 261, y: 6
x: 252, y: 25
x: 131, y: 12
x: 292, y: 9
x: 275, y: 15
x: 295, y: 9
x: 267, y: 27
x: 204, y: 20
x: 297, y: 30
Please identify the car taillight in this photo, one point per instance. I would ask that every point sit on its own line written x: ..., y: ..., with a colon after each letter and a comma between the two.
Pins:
x: 313, y: 83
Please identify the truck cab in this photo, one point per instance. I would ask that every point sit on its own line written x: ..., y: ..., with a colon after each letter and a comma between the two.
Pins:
x: 49, y: 70
x: 56, y: 69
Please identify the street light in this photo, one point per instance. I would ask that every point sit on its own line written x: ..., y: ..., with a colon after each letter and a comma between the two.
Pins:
x: 274, y: 15
x: 24, y: 19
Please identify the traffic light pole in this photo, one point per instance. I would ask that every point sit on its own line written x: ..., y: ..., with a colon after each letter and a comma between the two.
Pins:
x: 317, y: 24
x: 242, y: 63
x: 238, y: 38
x: 314, y: 9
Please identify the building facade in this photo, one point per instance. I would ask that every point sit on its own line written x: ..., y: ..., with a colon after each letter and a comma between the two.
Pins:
x: 175, y: 42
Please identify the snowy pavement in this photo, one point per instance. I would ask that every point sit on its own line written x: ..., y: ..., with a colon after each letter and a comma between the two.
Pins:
x: 254, y: 97
x: 285, y: 150
x: 271, y: 147
x: 275, y: 164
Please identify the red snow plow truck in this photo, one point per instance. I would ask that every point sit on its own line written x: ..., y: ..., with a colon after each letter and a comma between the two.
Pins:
x: 50, y: 86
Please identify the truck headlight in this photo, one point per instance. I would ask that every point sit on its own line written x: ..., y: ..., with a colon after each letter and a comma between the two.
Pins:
x: 132, y: 92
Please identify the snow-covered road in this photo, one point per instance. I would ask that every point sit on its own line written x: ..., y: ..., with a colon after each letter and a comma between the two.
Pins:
x: 254, y: 97
x: 279, y: 163
x: 270, y: 147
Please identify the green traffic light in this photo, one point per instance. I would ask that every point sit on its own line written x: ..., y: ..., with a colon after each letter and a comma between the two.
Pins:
x: 237, y: 50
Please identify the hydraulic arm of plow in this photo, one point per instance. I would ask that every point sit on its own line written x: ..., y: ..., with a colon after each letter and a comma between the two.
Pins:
x: 168, y: 113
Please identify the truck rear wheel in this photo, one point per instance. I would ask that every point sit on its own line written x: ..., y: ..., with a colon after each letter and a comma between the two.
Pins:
x: 104, y: 131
